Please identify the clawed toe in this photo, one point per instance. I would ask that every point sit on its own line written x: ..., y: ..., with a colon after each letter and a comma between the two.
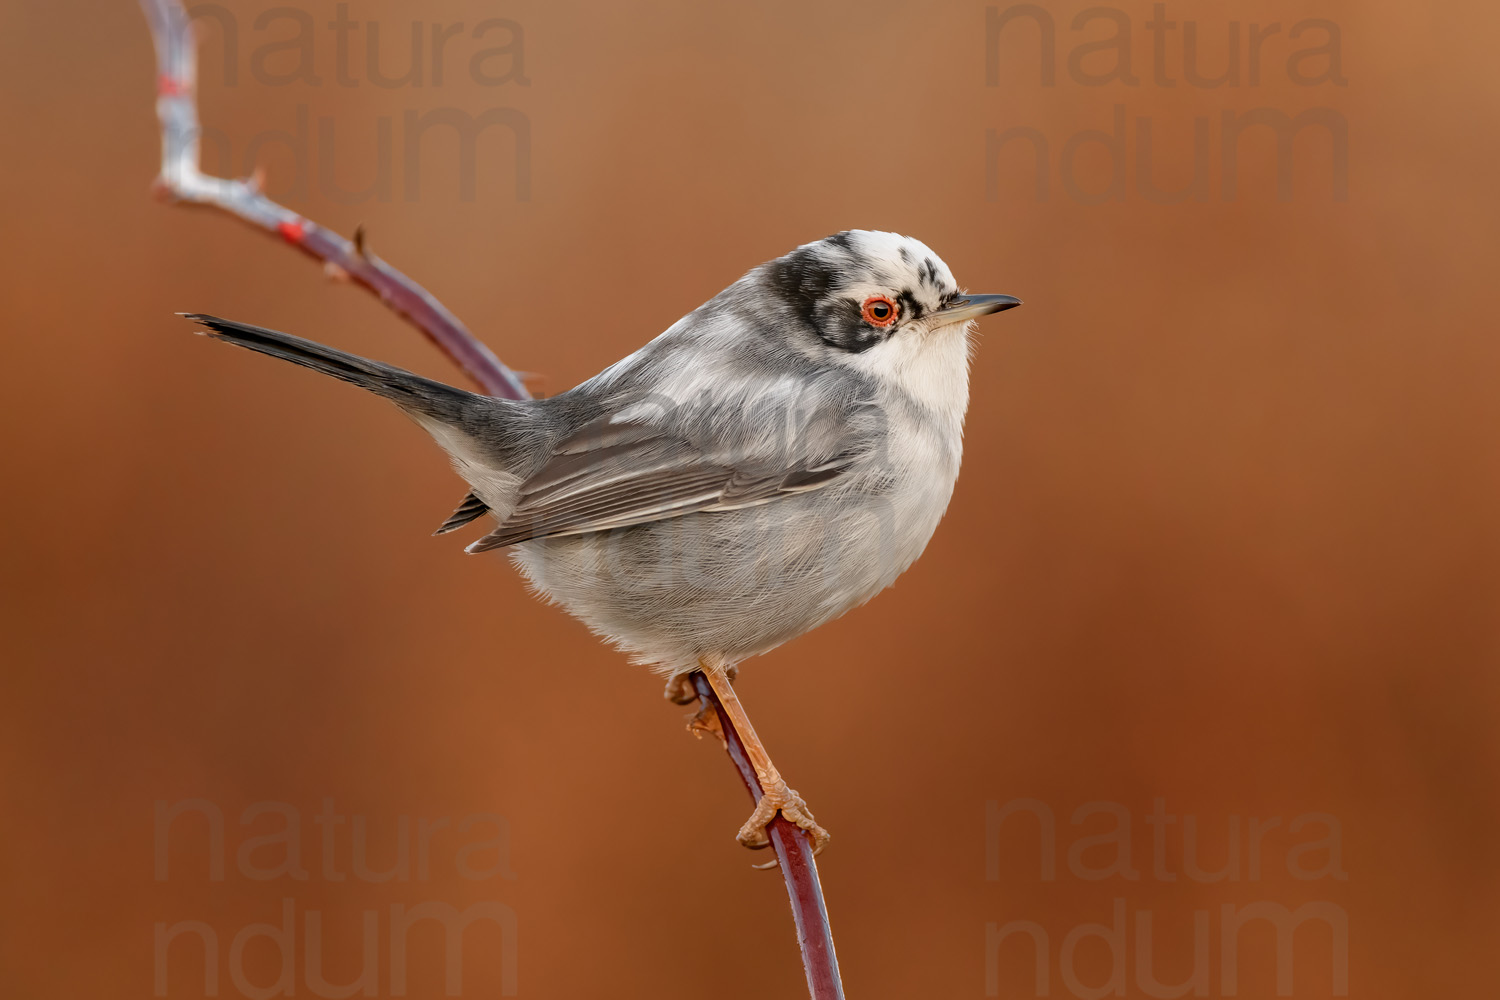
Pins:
x: 775, y: 795
x: 780, y: 798
x: 680, y: 690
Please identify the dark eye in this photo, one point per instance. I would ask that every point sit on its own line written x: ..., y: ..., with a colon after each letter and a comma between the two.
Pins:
x: 879, y: 311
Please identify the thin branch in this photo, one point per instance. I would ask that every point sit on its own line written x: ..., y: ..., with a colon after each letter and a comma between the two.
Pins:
x: 794, y: 854
x: 181, y: 180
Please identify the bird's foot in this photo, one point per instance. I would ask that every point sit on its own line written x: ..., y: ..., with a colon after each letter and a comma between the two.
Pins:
x: 681, y: 690
x: 779, y: 798
x: 705, y: 720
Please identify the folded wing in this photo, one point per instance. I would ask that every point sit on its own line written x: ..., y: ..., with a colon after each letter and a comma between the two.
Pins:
x: 612, y: 473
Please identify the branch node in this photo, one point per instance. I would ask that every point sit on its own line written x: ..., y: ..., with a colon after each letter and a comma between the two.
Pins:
x: 181, y: 181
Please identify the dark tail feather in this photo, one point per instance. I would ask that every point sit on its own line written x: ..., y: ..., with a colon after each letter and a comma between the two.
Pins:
x: 410, y: 392
x: 469, y: 510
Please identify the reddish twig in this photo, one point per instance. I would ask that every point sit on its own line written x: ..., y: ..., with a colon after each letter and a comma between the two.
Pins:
x: 794, y: 854
x: 181, y: 180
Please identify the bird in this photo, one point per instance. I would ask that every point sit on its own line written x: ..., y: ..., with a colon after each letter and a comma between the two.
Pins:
x: 775, y: 458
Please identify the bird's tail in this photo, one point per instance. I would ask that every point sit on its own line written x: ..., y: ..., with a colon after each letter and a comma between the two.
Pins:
x: 489, y: 440
x: 421, y: 397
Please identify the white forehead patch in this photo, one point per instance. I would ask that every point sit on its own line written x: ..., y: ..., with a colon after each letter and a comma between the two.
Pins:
x: 892, y: 259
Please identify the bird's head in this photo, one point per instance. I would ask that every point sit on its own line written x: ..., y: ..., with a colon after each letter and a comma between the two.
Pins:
x: 858, y: 290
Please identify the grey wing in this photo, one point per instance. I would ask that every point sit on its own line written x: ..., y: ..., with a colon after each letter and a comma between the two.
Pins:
x: 610, y: 475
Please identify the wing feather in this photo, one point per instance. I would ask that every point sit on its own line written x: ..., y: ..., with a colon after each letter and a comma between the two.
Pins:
x: 608, y: 475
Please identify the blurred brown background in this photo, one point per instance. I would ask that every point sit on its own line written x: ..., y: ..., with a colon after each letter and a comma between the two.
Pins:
x: 1227, y: 533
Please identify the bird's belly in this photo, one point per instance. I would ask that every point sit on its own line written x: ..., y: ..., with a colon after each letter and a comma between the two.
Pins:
x: 733, y: 584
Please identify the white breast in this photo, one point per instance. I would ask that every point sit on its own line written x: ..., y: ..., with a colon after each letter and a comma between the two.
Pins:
x: 931, y: 369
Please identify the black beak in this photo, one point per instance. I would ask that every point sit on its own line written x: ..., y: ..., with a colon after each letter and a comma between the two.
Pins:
x: 969, y: 307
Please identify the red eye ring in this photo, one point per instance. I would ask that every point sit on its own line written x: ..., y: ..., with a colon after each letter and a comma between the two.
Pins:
x: 879, y: 311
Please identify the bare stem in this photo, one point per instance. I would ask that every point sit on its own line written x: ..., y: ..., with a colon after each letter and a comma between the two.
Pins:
x: 182, y: 181
x: 794, y: 854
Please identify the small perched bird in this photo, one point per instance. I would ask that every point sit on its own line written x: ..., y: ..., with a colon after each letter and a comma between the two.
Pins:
x: 777, y: 457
